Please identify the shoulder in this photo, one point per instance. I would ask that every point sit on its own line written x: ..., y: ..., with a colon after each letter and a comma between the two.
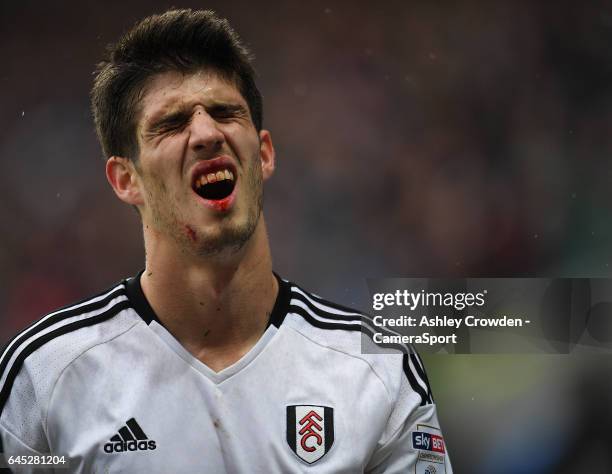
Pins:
x: 44, y: 349
x: 349, y: 331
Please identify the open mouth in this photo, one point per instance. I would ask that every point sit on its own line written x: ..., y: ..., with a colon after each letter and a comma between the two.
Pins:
x: 215, y: 186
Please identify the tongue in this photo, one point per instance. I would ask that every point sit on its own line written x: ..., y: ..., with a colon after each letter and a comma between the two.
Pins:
x: 218, y: 190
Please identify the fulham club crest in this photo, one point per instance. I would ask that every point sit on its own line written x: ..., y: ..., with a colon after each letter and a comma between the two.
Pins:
x: 310, y: 431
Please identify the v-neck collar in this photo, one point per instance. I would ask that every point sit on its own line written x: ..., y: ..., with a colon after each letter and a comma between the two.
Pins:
x: 142, y: 307
x: 197, y: 364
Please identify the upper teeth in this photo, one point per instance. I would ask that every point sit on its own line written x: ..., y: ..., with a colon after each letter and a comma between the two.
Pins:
x: 213, y: 178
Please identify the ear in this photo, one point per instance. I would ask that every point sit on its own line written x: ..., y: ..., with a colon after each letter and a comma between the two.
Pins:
x: 266, y: 153
x: 123, y: 177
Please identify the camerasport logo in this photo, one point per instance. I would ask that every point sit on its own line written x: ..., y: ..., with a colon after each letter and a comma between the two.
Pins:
x: 130, y: 437
x: 428, y: 442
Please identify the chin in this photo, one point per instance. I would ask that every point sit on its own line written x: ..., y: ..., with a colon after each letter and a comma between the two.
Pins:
x: 226, y: 241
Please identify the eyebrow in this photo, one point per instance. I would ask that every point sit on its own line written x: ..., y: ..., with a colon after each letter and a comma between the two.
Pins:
x: 228, y: 108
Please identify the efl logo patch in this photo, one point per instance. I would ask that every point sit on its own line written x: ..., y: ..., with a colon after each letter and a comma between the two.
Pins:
x: 428, y: 442
x: 310, y: 431
x: 431, y: 469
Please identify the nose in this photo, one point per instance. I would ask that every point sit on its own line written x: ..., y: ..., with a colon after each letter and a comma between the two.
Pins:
x: 204, y: 133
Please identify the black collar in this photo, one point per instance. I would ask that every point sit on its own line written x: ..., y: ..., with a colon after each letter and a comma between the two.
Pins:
x: 144, y: 310
x: 281, y: 305
x: 139, y: 300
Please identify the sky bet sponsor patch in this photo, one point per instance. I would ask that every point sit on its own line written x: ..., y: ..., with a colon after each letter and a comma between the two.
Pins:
x: 428, y: 442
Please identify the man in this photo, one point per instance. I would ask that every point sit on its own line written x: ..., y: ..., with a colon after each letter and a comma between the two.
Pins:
x: 206, y: 361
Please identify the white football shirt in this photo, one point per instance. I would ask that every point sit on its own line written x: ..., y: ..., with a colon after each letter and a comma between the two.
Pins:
x: 104, y: 384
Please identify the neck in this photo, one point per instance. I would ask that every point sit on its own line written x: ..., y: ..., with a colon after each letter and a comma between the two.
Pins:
x: 216, y: 308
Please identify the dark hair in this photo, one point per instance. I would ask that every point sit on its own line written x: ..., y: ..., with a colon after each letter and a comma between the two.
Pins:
x: 177, y: 40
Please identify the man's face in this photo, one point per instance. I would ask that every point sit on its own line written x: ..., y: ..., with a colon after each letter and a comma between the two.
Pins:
x: 201, y: 162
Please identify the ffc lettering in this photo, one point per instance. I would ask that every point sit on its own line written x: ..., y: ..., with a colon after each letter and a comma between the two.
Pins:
x: 308, y: 431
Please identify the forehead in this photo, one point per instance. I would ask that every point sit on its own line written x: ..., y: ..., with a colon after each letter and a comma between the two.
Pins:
x: 171, y: 90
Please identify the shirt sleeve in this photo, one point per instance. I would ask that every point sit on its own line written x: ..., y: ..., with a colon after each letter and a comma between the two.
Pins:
x: 12, y: 446
x: 412, y: 441
x: 21, y: 427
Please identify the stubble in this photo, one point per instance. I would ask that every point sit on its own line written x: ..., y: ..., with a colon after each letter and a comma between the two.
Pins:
x: 231, y: 231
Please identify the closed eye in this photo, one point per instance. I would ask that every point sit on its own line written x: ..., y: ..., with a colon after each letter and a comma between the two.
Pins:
x: 171, y: 123
x: 177, y: 121
x: 226, y: 112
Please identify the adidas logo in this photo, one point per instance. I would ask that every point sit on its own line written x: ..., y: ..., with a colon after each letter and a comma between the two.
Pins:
x: 130, y: 438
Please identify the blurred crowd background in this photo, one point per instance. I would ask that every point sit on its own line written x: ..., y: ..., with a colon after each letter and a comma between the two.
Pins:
x: 419, y: 138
